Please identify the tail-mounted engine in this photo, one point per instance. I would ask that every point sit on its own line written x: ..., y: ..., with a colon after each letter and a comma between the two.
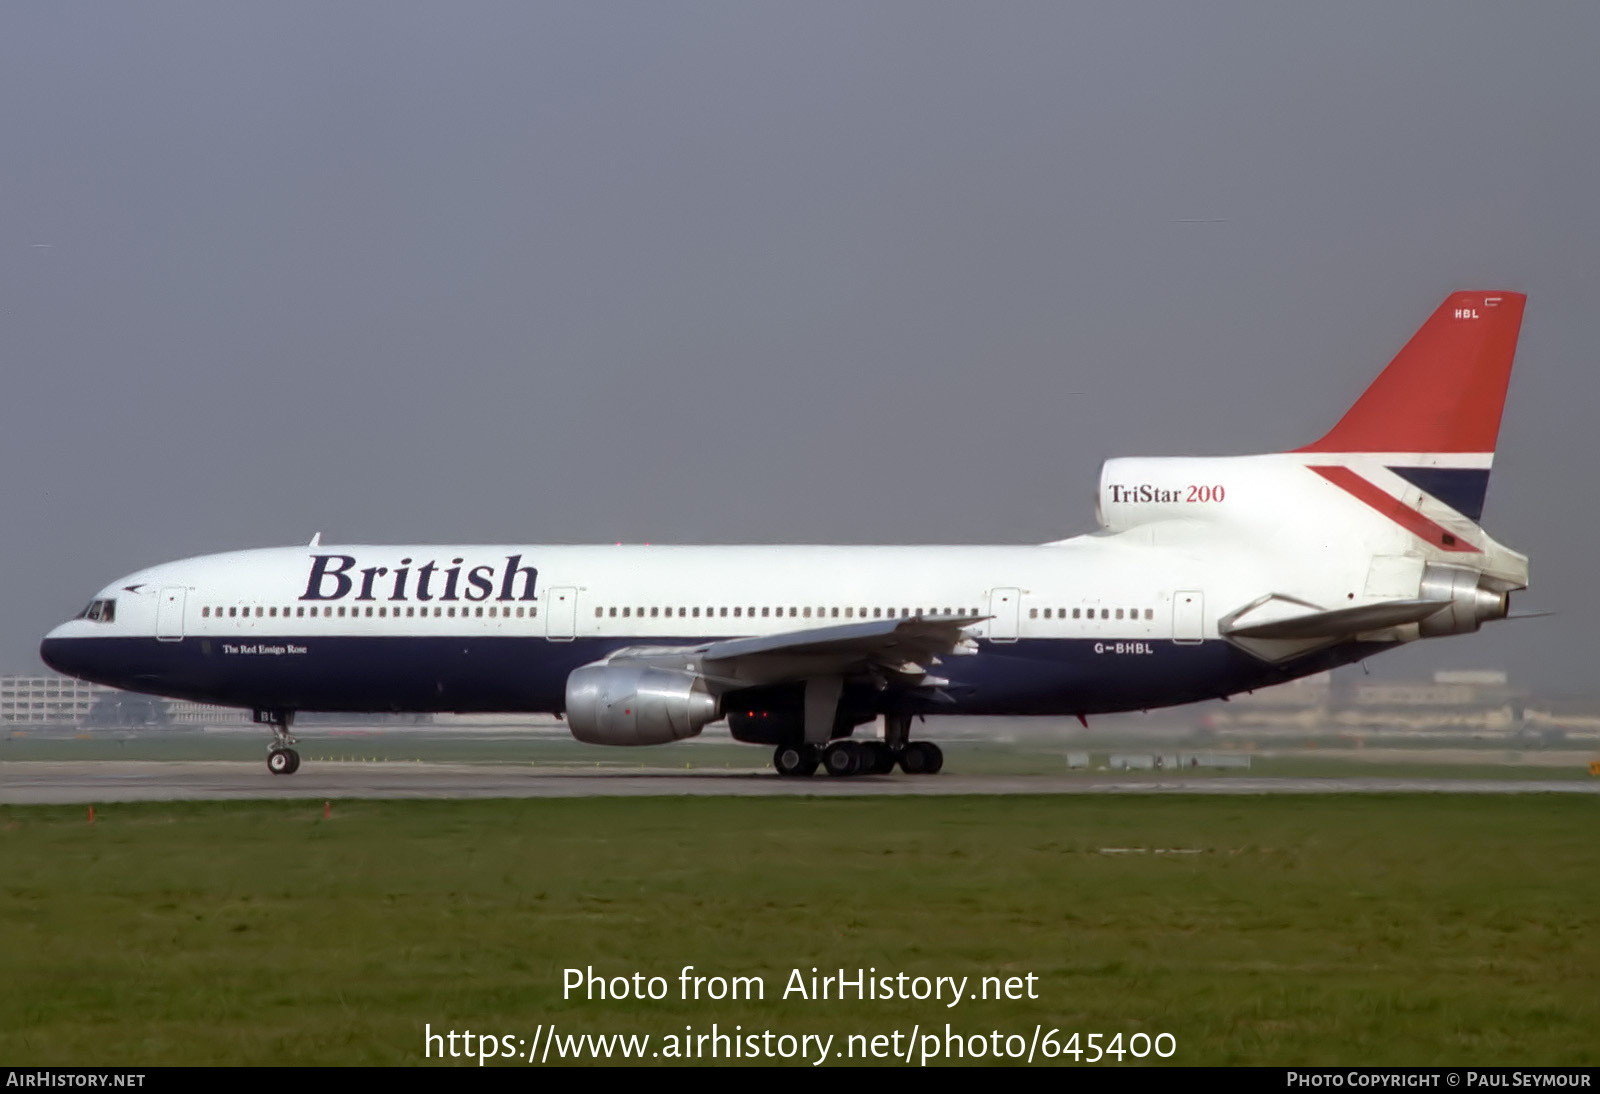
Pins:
x: 1469, y: 599
x: 633, y: 704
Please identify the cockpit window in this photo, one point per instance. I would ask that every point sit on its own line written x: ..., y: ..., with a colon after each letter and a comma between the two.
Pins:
x: 100, y: 611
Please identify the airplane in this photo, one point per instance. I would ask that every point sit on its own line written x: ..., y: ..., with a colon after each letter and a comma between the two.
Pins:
x: 1207, y: 576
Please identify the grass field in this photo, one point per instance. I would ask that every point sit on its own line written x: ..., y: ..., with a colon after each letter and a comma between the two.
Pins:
x: 1363, y: 930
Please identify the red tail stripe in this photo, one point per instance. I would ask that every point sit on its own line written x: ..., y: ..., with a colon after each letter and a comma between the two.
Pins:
x: 1391, y: 507
x: 1445, y: 390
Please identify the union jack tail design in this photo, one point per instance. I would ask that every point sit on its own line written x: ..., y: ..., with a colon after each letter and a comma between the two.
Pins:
x: 1418, y: 445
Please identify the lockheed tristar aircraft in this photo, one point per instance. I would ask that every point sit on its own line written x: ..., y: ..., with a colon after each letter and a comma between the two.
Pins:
x: 1208, y: 576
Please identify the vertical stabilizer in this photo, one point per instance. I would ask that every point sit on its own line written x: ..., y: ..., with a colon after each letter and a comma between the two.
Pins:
x: 1434, y: 413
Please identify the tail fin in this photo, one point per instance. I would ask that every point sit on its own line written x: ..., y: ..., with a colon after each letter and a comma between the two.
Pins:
x: 1437, y: 406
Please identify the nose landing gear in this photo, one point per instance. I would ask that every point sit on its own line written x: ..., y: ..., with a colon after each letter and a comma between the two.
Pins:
x: 282, y: 759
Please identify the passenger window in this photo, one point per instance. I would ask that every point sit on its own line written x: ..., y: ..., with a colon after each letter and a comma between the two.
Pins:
x: 807, y: 613
x: 258, y: 611
x: 1075, y: 612
x: 1033, y: 613
x: 300, y: 612
x: 612, y: 612
x: 410, y: 612
x: 723, y: 612
x: 1119, y: 613
x: 654, y: 612
x: 626, y: 612
x: 341, y: 612
x: 736, y: 612
x: 835, y: 613
x: 697, y: 613
x: 204, y: 612
x: 533, y: 611
x: 793, y: 612
x: 478, y: 613
x: 1149, y: 613
x: 764, y: 612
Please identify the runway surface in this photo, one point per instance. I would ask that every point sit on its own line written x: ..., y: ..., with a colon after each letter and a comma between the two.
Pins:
x: 121, y: 781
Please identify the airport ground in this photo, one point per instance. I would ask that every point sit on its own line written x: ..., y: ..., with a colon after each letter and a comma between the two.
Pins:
x: 1045, y: 750
x: 1255, y: 926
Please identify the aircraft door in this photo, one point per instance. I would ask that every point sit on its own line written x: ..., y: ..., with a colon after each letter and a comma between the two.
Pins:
x: 1188, y: 616
x: 561, y: 614
x: 169, y: 613
x: 1005, y: 606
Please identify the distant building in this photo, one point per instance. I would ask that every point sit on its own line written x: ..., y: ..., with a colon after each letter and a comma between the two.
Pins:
x: 1462, y: 701
x: 181, y: 712
x: 48, y: 700
x: 61, y: 701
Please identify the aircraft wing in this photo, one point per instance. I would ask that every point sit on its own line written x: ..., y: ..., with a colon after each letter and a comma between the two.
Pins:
x: 910, y: 639
x: 896, y: 651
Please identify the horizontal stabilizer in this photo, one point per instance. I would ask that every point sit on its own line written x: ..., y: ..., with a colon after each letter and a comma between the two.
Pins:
x: 1342, y: 622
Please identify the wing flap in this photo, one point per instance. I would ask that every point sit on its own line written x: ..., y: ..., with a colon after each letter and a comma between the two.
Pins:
x: 909, y: 639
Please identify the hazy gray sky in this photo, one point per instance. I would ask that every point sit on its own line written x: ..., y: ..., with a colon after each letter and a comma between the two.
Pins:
x: 739, y: 272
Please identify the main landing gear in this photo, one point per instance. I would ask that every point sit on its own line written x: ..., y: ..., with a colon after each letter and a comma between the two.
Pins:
x: 846, y: 757
x: 282, y: 759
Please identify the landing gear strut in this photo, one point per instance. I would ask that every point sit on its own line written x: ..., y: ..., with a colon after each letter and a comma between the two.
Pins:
x: 914, y: 757
x: 921, y: 758
x: 844, y: 757
x: 796, y: 760
x: 282, y: 759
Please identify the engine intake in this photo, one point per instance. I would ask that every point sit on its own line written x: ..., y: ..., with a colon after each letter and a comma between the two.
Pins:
x: 1469, y: 603
x: 622, y: 704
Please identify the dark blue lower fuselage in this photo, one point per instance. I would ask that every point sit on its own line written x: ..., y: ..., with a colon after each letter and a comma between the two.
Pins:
x: 529, y: 674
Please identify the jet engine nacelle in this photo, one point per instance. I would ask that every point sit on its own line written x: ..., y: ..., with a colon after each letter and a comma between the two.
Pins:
x: 623, y: 704
x: 1469, y: 603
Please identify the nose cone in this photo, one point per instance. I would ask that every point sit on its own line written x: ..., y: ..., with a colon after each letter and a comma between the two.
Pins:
x: 64, y: 654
